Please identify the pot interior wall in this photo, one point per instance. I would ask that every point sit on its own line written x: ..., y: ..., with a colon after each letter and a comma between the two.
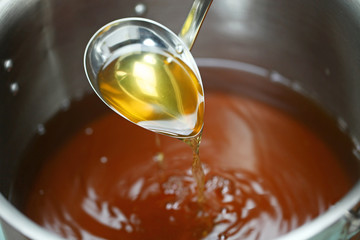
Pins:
x: 43, y: 41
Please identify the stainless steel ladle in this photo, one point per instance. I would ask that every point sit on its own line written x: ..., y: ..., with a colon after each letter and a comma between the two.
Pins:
x: 119, y: 37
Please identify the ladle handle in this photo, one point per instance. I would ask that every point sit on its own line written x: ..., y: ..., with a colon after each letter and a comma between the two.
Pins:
x: 194, y: 21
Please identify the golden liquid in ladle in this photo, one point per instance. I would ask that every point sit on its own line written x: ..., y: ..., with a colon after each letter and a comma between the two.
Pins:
x: 156, y: 91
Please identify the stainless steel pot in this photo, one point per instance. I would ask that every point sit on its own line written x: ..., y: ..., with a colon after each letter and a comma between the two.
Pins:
x: 317, y: 43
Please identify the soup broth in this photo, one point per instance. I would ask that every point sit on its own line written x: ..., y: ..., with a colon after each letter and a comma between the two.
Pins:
x: 271, y: 158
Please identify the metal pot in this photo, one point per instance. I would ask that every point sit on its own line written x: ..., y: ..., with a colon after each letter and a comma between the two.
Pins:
x: 42, y: 44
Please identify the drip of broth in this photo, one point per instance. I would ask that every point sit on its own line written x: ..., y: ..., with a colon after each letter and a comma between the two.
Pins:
x: 268, y: 168
x: 197, y: 169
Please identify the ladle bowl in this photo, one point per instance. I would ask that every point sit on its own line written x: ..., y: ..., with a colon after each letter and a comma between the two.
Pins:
x: 129, y: 36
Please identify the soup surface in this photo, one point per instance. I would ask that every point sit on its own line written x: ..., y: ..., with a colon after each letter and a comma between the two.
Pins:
x: 269, y: 155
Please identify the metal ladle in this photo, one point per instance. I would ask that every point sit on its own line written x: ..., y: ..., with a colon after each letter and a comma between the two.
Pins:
x: 116, y: 38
